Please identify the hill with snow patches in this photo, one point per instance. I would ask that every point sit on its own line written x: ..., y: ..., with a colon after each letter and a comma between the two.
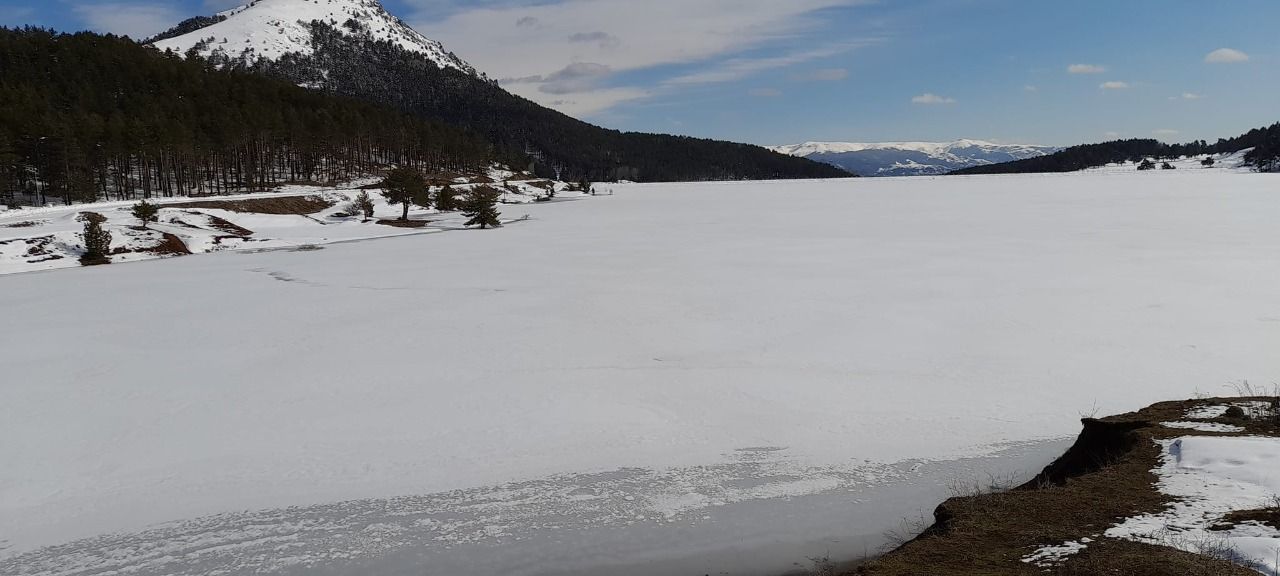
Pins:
x: 912, y: 158
x: 270, y: 29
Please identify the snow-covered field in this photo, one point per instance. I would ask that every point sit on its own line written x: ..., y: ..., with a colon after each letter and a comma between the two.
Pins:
x: 655, y: 360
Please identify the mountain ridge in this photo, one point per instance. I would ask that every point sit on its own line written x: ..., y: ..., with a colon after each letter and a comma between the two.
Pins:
x: 271, y: 29
x: 912, y: 158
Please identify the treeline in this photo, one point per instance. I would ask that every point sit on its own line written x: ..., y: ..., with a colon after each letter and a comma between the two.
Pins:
x: 349, y: 62
x: 1264, y: 141
x: 87, y: 117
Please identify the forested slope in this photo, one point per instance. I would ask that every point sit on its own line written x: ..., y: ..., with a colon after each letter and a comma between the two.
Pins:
x: 1265, y: 143
x: 86, y: 117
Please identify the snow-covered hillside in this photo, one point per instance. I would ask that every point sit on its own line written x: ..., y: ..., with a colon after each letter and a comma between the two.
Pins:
x: 272, y: 28
x: 48, y: 238
x: 911, y: 158
x: 593, y: 387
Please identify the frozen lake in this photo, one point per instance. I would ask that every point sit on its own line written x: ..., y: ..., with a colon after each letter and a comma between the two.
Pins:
x: 659, y: 374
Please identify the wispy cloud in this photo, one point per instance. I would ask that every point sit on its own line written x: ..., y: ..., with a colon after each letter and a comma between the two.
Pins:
x: 1187, y: 96
x: 134, y: 19
x: 739, y: 68
x: 1226, y: 56
x: 931, y: 99
x: 1030, y: 88
x: 1085, y: 69
x: 1114, y: 85
x: 522, y: 41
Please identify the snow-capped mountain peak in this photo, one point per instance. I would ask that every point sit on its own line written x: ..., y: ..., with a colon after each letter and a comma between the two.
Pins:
x: 269, y: 29
x: 911, y: 158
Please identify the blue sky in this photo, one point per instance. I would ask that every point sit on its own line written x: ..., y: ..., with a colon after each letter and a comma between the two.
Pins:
x: 776, y: 72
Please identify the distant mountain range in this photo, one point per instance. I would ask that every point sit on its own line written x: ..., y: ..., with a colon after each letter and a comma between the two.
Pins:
x: 912, y: 158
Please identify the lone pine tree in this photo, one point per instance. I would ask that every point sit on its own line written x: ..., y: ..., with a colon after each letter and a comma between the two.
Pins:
x: 404, y: 186
x: 480, y: 206
x: 146, y: 212
x: 97, y: 241
x: 363, y: 204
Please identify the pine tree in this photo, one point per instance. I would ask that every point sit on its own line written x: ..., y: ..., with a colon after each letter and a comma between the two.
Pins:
x: 97, y: 241
x: 403, y: 186
x: 480, y: 206
x: 146, y: 212
x: 363, y: 205
x: 1208, y: 162
x: 446, y: 199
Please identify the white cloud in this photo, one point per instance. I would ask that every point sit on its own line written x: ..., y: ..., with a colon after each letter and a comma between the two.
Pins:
x: 765, y: 92
x: 528, y: 41
x: 929, y: 98
x: 576, y: 77
x: 135, y: 19
x: 595, y: 101
x: 1114, y: 85
x: 1085, y: 69
x: 1187, y: 96
x: 1226, y: 56
x: 739, y: 68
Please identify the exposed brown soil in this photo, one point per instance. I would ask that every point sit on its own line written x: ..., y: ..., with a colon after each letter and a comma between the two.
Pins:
x: 170, y: 246
x: 229, y: 227
x: 281, y: 205
x: 1265, y: 516
x: 1104, y: 478
x: 405, y: 223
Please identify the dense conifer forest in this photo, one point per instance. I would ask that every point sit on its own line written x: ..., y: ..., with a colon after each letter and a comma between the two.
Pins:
x: 1265, y: 143
x: 86, y: 117
x: 349, y: 62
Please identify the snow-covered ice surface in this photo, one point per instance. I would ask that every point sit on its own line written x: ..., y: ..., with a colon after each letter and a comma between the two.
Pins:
x: 680, y: 355
x: 1211, y: 477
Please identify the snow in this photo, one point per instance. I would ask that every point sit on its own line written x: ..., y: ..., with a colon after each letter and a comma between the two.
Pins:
x: 47, y: 238
x: 1203, y: 426
x: 938, y: 149
x: 269, y: 29
x: 1212, y: 476
x: 1207, y: 412
x: 699, y: 348
x: 1050, y: 556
